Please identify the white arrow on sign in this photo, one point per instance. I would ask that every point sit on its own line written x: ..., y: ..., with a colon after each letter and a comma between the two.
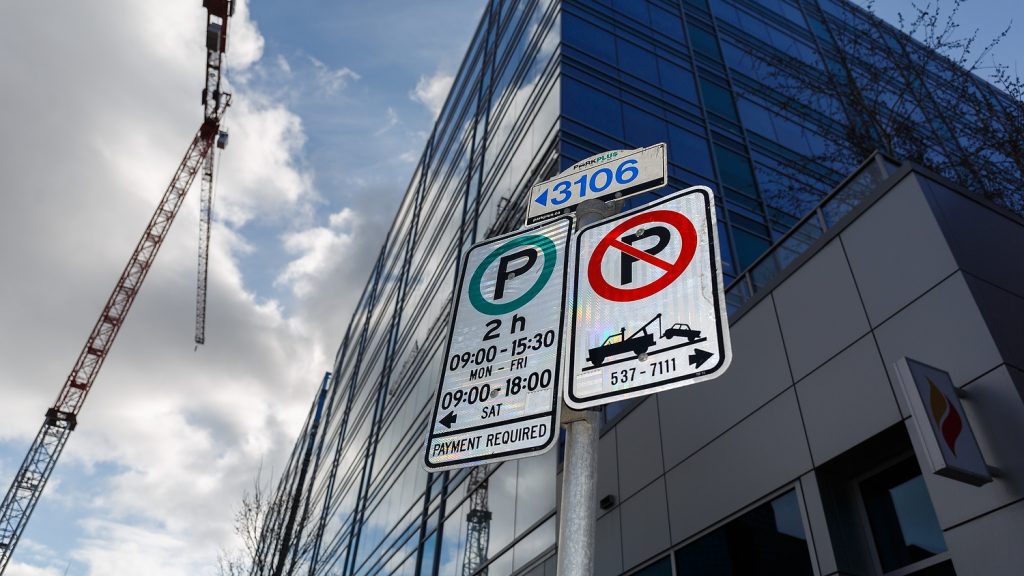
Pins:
x: 618, y: 173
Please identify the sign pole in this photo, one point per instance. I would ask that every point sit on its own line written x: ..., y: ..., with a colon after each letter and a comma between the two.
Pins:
x: 577, y: 524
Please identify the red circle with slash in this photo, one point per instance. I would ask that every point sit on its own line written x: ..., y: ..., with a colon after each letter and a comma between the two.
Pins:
x: 687, y: 233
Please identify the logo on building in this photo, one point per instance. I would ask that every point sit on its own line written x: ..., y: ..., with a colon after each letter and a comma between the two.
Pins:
x: 945, y: 416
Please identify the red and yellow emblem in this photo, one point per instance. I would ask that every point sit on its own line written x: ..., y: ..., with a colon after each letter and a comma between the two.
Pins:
x: 946, y: 417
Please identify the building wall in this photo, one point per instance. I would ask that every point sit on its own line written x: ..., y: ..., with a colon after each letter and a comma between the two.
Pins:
x: 918, y: 271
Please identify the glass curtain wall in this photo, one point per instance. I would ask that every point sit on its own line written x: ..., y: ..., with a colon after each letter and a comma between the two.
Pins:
x: 366, y: 505
x: 744, y: 93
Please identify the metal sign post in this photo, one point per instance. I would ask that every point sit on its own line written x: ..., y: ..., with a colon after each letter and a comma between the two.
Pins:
x: 650, y: 306
x: 499, y: 392
x: 578, y: 518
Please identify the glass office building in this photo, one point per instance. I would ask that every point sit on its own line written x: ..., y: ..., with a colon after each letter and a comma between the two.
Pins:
x: 544, y: 84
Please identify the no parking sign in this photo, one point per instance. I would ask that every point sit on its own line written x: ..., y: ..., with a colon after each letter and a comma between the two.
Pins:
x: 649, y: 310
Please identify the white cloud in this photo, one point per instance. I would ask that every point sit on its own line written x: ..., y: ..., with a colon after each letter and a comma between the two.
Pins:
x: 431, y: 91
x: 114, y: 548
x: 329, y: 80
x: 283, y: 65
x: 39, y: 560
x: 318, y: 249
x: 246, y: 41
x: 16, y: 568
x: 170, y: 436
x: 260, y: 166
x: 391, y: 122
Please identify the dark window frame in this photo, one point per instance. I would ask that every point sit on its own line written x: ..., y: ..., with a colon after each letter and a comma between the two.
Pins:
x: 865, y: 522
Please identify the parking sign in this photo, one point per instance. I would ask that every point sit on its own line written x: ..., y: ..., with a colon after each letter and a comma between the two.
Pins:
x: 649, y: 310
x: 499, y: 393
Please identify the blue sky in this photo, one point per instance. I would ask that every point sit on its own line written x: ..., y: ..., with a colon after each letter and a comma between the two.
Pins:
x: 987, y: 17
x: 333, y: 104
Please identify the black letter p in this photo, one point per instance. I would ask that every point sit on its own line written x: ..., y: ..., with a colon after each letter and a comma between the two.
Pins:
x: 504, y: 273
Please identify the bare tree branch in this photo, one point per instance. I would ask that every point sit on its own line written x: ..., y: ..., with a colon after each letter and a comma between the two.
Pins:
x: 913, y: 96
x: 252, y: 514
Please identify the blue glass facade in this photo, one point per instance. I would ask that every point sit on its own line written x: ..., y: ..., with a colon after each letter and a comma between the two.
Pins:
x: 545, y: 83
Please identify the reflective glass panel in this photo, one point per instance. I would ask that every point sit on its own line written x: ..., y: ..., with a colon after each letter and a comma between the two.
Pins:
x: 591, y: 107
x: 766, y: 541
x: 588, y: 38
x: 902, y: 519
x: 717, y: 99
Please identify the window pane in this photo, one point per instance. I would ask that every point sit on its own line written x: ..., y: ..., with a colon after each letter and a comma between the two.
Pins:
x: 690, y: 151
x: 588, y: 38
x: 902, y: 519
x: 637, y: 61
x: 633, y: 8
x: 735, y: 171
x: 643, y: 129
x: 668, y: 23
x: 591, y: 108
x: 766, y: 541
x: 677, y: 80
x: 427, y: 567
x: 704, y: 42
x: 748, y: 247
x: 718, y: 100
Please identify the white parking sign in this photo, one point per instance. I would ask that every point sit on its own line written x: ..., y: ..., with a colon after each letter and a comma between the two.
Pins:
x: 650, y: 307
x: 499, y: 392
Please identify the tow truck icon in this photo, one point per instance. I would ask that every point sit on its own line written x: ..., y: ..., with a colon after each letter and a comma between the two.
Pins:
x: 640, y: 342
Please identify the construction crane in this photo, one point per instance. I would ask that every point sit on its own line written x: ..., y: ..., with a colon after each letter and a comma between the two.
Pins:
x: 478, y: 524
x: 215, y: 101
x: 62, y: 417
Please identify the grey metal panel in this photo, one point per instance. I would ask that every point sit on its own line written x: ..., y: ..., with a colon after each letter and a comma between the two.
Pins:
x: 759, y: 455
x: 645, y: 528
x: 1003, y: 312
x: 608, y: 544
x: 984, y: 242
x: 897, y: 250
x: 819, y: 310
x: 990, y: 545
x: 639, y: 448
x: 693, y: 415
x: 607, y: 469
x: 942, y: 328
x: 996, y: 416
x: 847, y: 401
x: 819, y: 535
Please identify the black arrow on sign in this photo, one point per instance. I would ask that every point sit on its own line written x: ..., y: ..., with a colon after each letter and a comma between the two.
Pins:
x: 699, y: 357
x: 449, y: 419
